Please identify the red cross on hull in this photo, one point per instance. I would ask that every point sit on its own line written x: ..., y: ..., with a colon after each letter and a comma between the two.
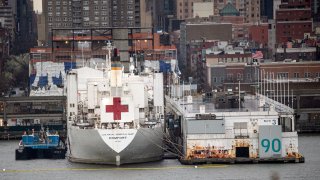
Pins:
x: 117, y: 108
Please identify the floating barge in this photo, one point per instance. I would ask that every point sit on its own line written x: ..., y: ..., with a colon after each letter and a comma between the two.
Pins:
x: 41, y: 146
x: 231, y: 127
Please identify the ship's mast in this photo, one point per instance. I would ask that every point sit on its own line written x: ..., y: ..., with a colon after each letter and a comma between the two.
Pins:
x: 108, y: 57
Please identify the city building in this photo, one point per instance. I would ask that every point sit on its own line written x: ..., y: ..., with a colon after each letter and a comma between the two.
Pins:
x: 7, y: 17
x: 259, y: 34
x: 4, y: 47
x: 315, y: 10
x: 266, y: 10
x: 18, y: 17
x: 26, y: 31
x: 293, y: 21
x: 193, y: 35
x: 229, y: 10
x: 252, y: 11
x: 41, y: 25
x: 296, y: 52
x: 96, y: 14
x: 202, y: 9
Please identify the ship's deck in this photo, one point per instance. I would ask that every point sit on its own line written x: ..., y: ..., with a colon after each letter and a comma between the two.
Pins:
x: 251, y: 103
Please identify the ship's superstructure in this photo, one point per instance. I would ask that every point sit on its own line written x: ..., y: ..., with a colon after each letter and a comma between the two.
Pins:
x: 114, y: 117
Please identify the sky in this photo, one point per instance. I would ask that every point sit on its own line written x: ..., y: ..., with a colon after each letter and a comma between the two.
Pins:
x: 37, y: 5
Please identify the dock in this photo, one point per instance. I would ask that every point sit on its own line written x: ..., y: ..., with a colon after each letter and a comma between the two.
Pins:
x: 232, y: 127
x: 242, y: 160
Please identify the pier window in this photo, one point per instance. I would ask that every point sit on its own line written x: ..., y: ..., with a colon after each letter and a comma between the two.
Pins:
x: 286, y: 124
x: 240, y: 129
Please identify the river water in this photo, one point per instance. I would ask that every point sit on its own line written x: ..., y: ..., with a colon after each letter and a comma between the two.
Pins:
x: 10, y: 169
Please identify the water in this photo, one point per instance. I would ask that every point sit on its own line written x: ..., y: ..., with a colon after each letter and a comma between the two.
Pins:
x: 166, y: 169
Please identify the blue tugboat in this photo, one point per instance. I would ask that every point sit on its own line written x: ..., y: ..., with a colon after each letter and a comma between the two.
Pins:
x: 43, y: 145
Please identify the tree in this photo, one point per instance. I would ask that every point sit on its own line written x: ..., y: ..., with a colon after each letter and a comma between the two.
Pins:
x: 15, y: 74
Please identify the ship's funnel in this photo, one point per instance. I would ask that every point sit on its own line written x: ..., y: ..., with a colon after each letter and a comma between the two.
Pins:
x: 116, y: 75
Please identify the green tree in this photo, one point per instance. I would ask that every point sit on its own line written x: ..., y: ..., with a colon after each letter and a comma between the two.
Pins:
x: 16, y: 73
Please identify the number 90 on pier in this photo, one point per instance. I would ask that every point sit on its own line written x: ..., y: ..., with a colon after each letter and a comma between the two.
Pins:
x: 270, y: 141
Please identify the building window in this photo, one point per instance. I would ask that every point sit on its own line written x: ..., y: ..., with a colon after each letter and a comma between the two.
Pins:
x: 307, y: 75
x: 283, y: 75
x: 214, y: 79
x: 86, y: 13
x: 296, y: 75
x: 86, y: 19
x: 239, y: 76
x: 249, y: 76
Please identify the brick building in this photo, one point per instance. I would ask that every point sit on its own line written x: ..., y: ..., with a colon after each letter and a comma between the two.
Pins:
x: 259, y: 34
x: 293, y: 21
x: 221, y: 74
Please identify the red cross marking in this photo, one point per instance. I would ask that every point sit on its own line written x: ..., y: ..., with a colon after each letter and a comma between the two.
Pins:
x: 117, y: 108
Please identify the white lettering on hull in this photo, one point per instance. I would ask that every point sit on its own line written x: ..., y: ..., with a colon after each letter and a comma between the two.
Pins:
x: 117, y: 139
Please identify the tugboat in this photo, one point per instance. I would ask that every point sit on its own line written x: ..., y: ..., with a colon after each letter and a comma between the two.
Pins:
x: 43, y: 145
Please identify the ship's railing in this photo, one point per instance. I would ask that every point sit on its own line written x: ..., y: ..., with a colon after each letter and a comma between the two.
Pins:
x: 279, y: 107
x: 175, y: 102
